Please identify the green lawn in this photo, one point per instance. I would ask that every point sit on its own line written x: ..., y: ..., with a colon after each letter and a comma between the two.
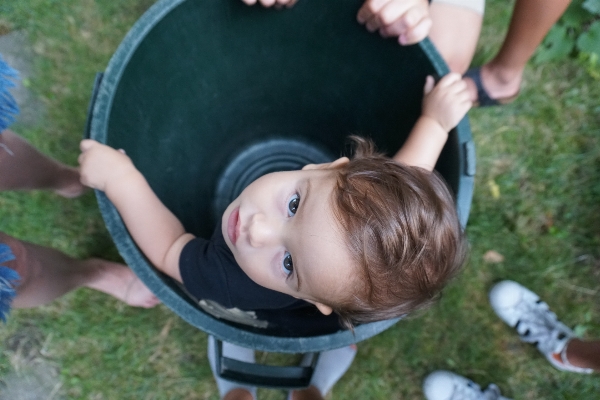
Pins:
x: 535, y: 203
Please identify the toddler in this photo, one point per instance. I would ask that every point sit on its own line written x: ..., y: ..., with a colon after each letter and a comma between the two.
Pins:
x: 370, y: 238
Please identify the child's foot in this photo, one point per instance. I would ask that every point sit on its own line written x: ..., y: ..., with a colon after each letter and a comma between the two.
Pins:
x: 331, y: 366
x: 444, y: 385
x: 535, y: 323
x: 237, y: 353
x: 120, y: 282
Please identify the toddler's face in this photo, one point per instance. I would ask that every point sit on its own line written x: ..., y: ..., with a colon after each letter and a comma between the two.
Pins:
x: 283, y: 234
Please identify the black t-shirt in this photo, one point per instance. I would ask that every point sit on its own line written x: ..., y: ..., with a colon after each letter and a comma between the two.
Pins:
x: 209, y: 272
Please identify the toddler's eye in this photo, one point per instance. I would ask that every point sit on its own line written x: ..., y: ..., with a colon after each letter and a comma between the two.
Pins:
x: 288, y: 264
x: 293, y: 205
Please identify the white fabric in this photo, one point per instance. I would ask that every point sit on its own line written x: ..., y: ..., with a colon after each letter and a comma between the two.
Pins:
x: 476, y: 5
x: 230, y: 351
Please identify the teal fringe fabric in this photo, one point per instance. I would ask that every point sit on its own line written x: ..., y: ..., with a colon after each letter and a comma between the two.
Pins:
x: 8, y: 280
x: 8, y: 105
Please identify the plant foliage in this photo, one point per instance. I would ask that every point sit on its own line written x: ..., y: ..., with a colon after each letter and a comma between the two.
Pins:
x: 576, y: 34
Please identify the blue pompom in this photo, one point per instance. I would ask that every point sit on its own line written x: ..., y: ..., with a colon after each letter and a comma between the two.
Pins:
x: 9, y: 279
x: 8, y: 105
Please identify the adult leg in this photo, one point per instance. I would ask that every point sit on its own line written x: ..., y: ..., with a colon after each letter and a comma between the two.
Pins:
x: 455, y: 31
x: 583, y: 354
x: 310, y: 393
x: 229, y: 390
x: 331, y: 366
x: 238, y: 394
x: 48, y: 274
x: 22, y: 167
x: 531, y: 20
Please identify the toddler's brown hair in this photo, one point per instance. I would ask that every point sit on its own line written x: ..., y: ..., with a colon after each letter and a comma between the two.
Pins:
x: 402, y: 231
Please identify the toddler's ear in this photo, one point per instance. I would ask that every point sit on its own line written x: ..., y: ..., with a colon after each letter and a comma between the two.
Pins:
x: 331, y: 165
x: 325, y: 309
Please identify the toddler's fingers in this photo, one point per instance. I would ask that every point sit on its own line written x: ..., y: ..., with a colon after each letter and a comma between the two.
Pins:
x: 249, y: 2
x: 457, y: 86
x: 449, y: 79
x: 429, y: 84
x: 86, y: 144
x: 465, y: 98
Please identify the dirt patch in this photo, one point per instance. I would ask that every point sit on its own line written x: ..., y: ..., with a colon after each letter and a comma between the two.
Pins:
x: 34, y: 377
x: 18, y: 53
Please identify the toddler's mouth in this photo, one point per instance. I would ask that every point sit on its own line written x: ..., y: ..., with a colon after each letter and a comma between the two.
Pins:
x: 233, y: 225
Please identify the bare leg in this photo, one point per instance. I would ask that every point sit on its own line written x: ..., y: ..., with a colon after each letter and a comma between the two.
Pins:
x: 48, y: 274
x: 238, y: 394
x: 584, y: 354
x: 531, y: 20
x: 22, y: 167
x: 310, y: 393
x: 455, y: 32
x: 331, y: 366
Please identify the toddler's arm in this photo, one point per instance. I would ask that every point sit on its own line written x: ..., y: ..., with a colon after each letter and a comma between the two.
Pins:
x: 158, y: 233
x: 444, y: 105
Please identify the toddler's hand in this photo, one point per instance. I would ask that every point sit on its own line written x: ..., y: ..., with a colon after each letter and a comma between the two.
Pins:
x: 269, y: 3
x: 448, y: 101
x: 101, y: 165
x: 407, y: 19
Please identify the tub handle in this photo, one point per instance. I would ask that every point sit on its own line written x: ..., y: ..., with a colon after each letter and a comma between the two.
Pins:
x: 275, y: 377
x: 88, y: 122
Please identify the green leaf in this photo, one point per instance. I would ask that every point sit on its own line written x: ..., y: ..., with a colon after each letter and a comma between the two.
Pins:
x: 592, y: 6
x: 575, y: 16
x: 589, y: 41
x: 557, y: 45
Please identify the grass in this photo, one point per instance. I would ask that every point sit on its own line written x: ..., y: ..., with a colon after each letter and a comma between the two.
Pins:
x: 535, y: 203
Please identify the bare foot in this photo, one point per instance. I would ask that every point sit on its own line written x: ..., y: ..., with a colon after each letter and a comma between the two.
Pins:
x: 498, y: 82
x: 71, y: 187
x: 138, y: 294
x: 120, y: 282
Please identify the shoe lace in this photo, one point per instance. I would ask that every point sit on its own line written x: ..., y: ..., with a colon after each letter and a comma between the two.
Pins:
x: 540, y: 326
x: 492, y: 392
x: 468, y: 391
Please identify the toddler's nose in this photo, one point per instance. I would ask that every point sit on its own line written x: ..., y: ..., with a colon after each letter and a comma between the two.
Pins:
x: 261, y: 231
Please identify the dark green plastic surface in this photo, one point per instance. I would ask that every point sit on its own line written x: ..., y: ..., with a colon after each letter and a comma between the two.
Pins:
x: 196, y: 81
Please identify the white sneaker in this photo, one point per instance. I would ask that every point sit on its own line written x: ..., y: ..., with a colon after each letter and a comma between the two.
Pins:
x: 445, y: 385
x: 523, y: 310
